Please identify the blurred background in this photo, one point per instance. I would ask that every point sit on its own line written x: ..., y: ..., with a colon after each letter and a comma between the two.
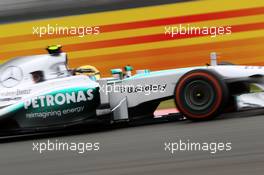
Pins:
x: 132, y: 31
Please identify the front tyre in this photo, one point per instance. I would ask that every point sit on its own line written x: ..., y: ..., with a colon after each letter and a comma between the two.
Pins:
x: 201, y: 95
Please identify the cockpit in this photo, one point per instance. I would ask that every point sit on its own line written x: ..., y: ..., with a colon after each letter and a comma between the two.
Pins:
x: 34, y: 69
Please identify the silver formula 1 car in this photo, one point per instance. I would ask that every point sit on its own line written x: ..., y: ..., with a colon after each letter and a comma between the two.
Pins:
x: 40, y: 92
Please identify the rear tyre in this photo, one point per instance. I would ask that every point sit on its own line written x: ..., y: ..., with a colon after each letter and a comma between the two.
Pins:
x: 201, y: 95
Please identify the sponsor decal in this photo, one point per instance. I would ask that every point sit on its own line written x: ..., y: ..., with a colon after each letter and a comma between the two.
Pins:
x: 254, y: 67
x: 57, y: 113
x: 147, y: 89
x: 18, y: 92
x: 11, y: 76
x: 59, y: 99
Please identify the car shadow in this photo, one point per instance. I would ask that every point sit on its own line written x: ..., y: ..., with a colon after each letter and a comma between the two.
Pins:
x: 97, y: 128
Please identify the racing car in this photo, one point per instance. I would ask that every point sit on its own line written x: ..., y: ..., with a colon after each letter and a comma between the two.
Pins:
x: 40, y: 92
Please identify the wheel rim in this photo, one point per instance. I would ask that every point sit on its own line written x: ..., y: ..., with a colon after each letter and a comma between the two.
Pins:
x: 199, y: 95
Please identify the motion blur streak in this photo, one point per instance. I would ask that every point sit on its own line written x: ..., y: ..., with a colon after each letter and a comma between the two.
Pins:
x: 136, y: 36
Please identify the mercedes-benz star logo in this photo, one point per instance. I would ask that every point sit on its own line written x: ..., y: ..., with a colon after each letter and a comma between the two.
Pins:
x: 11, y: 76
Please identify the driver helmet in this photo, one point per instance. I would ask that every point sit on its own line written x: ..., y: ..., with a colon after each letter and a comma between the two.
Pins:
x: 88, y: 70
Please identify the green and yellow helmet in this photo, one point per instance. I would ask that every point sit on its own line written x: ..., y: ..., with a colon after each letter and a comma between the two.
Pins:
x: 89, y: 71
x: 54, y: 49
